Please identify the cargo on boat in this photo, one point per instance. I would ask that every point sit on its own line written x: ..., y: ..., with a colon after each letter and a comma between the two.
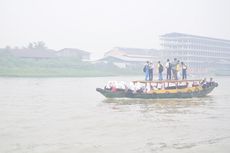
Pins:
x: 158, y: 89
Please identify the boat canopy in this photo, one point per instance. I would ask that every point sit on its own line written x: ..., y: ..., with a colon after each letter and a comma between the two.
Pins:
x: 166, y: 81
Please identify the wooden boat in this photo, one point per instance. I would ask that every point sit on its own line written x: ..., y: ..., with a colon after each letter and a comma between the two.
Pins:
x: 168, y: 89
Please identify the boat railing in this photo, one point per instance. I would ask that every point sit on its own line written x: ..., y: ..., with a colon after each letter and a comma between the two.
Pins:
x: 171, y: 84
x: 166, y: 81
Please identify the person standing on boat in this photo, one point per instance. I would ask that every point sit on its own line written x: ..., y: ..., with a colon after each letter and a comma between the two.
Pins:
x: 173, y: 67
x: 184, y: 71
x: 146, y: 70
x: 168, y: 67
x: 160, y: 70
x: 151, y: 68
x: 178, y: 70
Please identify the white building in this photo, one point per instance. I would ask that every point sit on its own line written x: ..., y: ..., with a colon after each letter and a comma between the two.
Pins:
x: 131, y: 57
x: 133, y: 54
x: 202, y: 54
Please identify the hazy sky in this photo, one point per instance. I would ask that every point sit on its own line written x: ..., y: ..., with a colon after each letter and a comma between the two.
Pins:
x: 99, y: 25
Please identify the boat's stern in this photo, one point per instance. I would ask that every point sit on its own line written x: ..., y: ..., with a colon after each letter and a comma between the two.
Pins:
x: 99, y: 90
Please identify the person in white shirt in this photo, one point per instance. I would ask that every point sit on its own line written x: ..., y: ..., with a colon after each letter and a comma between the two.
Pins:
x: 169, y: 69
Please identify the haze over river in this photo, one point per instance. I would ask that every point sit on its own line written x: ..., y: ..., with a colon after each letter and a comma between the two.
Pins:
x: 67, y: 115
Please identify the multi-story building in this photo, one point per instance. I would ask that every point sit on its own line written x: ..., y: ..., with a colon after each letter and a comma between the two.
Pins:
x: 202, y: 54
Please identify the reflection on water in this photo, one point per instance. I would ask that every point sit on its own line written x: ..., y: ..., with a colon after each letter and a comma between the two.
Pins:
x: 162, y: 102
x: 170, y: 105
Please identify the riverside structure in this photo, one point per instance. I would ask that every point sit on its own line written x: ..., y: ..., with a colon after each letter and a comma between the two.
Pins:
x: 202, y: 54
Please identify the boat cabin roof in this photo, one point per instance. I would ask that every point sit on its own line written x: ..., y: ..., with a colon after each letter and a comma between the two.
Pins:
x: 166, y: 81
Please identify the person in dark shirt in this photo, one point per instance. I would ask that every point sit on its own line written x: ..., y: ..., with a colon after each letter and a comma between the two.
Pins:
x: 173, y: 67
x: 146, y: 71
x: 151, y: 69
x: 160, y: 71
x: 184, y: 70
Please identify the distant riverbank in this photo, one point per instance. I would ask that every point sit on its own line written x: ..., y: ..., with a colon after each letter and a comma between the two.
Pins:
x: 68, y: 67
x: 61, y: 72
x: 59, y: 67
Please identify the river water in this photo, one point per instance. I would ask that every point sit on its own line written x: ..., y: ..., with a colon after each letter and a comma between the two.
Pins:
x: 67, y: 115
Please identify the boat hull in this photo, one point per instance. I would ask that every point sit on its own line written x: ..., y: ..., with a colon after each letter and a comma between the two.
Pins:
x: 130, y: 94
